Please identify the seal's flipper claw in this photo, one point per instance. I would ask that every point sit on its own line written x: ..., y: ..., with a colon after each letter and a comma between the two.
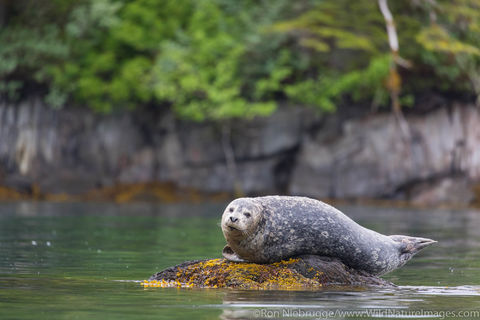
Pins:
x: 230, y: 255
x: 412, y: 245
x: 421, y: 243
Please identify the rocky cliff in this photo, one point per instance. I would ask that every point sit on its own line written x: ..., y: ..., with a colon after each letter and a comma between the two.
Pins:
x: 294, y: 151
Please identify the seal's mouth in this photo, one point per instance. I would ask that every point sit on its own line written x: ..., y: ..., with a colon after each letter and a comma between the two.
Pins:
x: 232, y: 227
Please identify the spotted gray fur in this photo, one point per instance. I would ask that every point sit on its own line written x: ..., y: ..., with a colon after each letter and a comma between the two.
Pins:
x: 274, y: 228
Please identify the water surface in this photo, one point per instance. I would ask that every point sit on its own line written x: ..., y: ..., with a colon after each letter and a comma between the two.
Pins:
x: 85, y: 261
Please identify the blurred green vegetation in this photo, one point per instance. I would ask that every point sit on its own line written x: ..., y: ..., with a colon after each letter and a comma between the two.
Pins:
x: 216, y: 59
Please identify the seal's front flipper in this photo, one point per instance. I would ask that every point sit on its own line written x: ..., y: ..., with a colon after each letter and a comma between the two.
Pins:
x: 412, y: 245
x: 230, y: 255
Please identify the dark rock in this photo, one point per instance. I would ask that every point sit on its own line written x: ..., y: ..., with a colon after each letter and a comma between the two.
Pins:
x: 254, y: 176
x: 304, y: 272
x: 345, y: 155
x: 371, y: 157
x: 454, y: 191
x: 264, y: 137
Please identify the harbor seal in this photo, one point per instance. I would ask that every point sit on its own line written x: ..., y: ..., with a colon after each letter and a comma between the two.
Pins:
x: 274, y: 228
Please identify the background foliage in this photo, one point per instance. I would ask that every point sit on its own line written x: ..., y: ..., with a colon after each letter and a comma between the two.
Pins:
x: 215, y: 59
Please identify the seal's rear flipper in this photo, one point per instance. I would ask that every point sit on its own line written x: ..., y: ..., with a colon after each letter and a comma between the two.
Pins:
x: 412, y: 245
x: 230, y: 255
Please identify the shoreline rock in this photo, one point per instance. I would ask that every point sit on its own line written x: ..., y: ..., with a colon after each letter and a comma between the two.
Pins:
x: 352, y: 154
x: 308, y: 272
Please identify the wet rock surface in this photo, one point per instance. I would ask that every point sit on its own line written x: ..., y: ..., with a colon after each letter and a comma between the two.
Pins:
x: 305, y: 272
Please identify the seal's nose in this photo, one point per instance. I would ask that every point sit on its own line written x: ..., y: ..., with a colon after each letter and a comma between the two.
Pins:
x: 233, y: 219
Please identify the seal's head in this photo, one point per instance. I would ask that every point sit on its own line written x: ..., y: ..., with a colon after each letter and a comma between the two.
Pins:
x: 240, y: 219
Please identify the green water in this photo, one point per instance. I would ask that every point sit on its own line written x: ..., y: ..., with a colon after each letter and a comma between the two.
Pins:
x: 85, y: 261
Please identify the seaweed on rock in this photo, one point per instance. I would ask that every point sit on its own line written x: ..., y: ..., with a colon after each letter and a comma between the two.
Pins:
x: 307, y: 272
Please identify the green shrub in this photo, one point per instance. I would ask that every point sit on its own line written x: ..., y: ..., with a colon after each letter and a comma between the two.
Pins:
x: 215, y: 59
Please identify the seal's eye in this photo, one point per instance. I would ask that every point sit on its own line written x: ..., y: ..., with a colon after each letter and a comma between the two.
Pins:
x: 231, y: 209
x: 247, y: 214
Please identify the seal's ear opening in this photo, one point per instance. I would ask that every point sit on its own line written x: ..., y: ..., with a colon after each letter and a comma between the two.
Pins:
x: 230, y: 255
x: 412, y: 245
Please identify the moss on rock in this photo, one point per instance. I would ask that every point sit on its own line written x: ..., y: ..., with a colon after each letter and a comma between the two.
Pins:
x: 304, y: 272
